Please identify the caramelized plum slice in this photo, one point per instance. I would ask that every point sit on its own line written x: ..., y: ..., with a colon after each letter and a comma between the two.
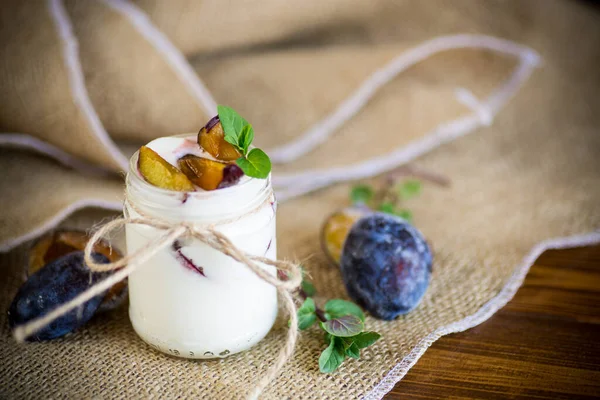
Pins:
x: 207, y: 174
x: 157, y: 171
x: 212, y: 139
x: 60, y: 243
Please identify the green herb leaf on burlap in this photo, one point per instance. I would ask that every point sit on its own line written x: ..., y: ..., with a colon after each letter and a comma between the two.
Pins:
x: 346, y: 326
x: 332, y: 357
x: 338, y: 308
x: 306, y: 314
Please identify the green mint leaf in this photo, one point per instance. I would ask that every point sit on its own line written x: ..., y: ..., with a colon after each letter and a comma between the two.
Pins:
x: 233, y: 140
x: 361, y: 194
x: 307, y: 306
x: 353, y: 351
x: 365, y: 339
x: 327, y: 337
x: 346, y: 326
x: 347, y: 341
x: 256, y: 164
x: 305, y: 321
x: 332, y: 357
x: 245, y: 138
x: 409, y: 189
x: 406, y: 214
x: 232, y: 123
x: 338, y: 308
x: 308, y: 288
x: 306, y: 314
x: 387, y: 208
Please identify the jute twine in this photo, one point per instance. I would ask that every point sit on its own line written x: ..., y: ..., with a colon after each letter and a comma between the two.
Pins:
x: 173, y: 231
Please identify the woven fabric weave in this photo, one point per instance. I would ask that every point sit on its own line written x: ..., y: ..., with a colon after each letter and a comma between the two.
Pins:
x: 534, y: 174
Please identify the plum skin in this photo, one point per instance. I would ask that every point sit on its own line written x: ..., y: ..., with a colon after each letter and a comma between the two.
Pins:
x: 231, y: 175
x: 54, y: 284
x: 386, y: 265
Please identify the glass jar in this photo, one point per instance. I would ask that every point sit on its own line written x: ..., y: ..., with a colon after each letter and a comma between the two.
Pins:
x: 190, y: 300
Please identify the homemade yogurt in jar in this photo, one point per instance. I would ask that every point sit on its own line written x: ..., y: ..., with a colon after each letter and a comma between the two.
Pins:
x: 190, y: 300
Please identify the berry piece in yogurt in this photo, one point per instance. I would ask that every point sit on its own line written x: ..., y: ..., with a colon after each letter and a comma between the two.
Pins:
x: 208, y: 174
x: 157, y: 171
x: 386, y: 265
x: 231, y: 175
x: 185, y: 260
x: 212, y: 139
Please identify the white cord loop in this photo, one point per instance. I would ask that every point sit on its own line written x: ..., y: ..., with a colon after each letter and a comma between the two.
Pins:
x: 467, y: 98
x: 292, y: 185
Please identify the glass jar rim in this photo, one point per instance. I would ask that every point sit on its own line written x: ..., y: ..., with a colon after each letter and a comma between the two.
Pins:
x: 135, y: 175
x: 162, y: 203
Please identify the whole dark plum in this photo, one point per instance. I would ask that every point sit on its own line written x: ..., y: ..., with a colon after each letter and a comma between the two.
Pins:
x: 386, y: 265
x: 54, y: 284
x: 61, y: 242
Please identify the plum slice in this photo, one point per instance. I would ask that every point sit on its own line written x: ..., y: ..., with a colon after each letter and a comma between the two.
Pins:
x: 212, y: 139
x: 209, y: 174
x: 336, y: 228
x: 185, y: 260
x: 157, y: 171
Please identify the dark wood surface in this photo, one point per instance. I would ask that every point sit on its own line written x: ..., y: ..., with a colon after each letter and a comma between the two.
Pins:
x: 544, y: 344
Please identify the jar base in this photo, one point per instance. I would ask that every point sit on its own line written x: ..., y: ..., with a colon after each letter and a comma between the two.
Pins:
x: 196, y: 353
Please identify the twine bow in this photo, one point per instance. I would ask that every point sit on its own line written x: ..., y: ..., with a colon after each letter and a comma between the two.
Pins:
x: 129, y: 263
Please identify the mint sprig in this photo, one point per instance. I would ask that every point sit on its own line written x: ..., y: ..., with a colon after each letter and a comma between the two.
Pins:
x: 254, y: 162
x: 306, y: 314
x: 361, y: 194
x: 343, y: 323
x: 409, y: 189
x: 232, y: 123
x: 387, y: 198
x: 333, y: 356
x: 338, y: 308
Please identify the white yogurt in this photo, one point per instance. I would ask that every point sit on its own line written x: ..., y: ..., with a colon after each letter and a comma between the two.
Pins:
x: 190, y: 300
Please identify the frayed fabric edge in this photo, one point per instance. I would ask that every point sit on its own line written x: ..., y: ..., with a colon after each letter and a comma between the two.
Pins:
x: 482, y: 314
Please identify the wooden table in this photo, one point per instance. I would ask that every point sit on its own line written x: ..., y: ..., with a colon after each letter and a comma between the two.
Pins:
x: 544, y: 344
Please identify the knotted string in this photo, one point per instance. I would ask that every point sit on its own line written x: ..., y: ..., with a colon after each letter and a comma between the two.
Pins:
x: 173, y: 231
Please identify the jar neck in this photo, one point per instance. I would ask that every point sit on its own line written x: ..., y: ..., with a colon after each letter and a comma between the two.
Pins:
x: 210, y: 207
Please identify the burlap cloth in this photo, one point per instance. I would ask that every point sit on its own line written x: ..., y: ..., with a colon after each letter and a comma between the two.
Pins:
x: 533, y: 175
